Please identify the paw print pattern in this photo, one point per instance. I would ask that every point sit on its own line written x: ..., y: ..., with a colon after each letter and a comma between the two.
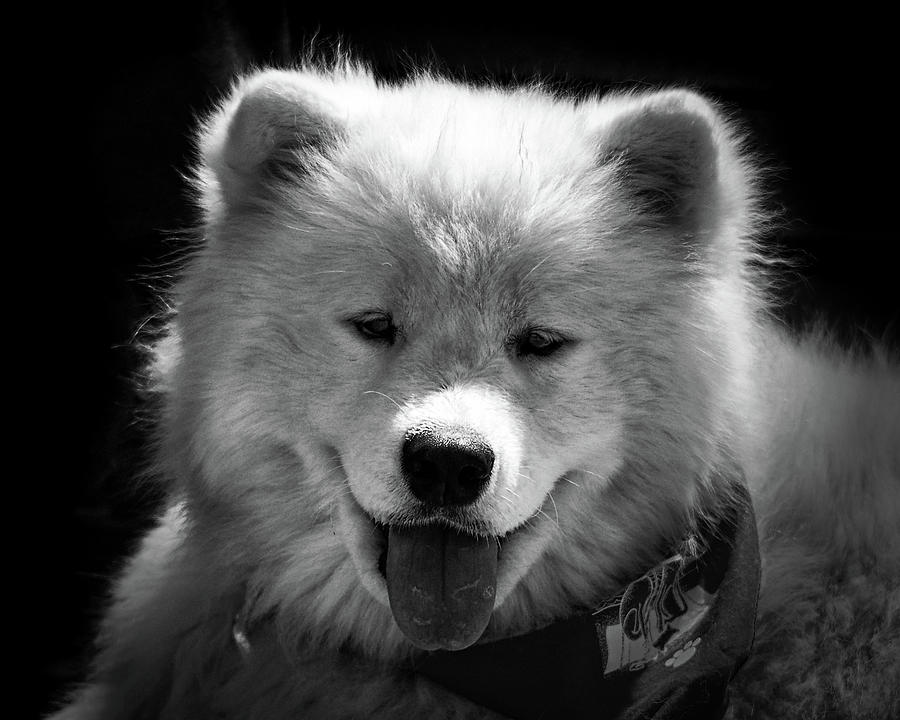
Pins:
x: 684, y: 654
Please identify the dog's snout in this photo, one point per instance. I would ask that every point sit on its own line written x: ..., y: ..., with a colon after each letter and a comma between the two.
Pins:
x: 447, y: 466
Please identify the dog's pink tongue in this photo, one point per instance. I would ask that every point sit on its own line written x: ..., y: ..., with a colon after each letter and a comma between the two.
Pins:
x: 441, y: 584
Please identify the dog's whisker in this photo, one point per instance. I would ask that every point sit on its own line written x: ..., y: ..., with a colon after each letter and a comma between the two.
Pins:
x: 555, y: 509
x: 542, y: 513
x: 586, y: 472
x: 386, y: 397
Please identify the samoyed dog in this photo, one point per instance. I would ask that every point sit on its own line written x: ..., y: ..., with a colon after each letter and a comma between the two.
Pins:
x: 471, y: 407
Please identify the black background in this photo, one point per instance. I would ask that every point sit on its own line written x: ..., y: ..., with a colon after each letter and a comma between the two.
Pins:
x: 112, y: 136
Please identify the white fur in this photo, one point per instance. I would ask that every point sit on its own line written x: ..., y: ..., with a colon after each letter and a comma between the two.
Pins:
x: 627, y: 224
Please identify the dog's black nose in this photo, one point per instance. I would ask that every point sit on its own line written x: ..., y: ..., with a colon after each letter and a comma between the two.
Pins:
x: 446, y: 466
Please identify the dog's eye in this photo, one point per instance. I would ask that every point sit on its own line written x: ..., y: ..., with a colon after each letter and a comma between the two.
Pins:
x: 540, y: 342
x: 376, y: 326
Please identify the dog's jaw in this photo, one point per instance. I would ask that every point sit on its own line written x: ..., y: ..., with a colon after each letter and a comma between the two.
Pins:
x: 365, y: 543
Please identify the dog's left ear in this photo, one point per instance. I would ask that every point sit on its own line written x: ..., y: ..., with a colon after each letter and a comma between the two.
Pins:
x: 275, y: 124
x: 675, y: 158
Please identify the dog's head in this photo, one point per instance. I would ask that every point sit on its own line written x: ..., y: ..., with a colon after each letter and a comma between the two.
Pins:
x: 480, y: 343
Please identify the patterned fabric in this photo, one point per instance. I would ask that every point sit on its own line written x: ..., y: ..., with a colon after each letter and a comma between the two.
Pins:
x: 665, y: 647
x: 652, y: 618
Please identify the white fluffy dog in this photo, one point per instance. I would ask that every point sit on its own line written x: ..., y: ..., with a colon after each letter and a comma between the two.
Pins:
x: 462, y: 399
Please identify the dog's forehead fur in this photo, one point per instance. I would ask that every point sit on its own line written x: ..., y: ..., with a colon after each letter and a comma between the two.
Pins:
x: 473, y: 138
x: 457, y: 251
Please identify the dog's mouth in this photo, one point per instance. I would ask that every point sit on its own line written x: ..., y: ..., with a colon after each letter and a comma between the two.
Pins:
x: 443, y: 576
x: 441, y: 583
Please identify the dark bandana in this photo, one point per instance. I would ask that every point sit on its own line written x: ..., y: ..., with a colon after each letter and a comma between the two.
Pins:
x: 666, y: 647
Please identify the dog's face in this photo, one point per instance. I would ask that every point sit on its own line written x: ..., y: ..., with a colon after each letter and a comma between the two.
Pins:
x: 443, y: 323
x: 457, y: 398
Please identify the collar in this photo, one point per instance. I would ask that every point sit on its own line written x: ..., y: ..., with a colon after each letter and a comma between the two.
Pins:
x: 666, y: 646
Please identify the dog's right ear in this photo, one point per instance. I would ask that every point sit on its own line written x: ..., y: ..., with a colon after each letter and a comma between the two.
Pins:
x: 275, y: 125
x: 676, y: 160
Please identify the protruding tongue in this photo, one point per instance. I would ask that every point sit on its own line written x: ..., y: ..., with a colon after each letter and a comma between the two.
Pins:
x: 441, y: 584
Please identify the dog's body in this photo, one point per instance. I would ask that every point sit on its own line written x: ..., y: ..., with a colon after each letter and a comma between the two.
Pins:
x: 563, y: 295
